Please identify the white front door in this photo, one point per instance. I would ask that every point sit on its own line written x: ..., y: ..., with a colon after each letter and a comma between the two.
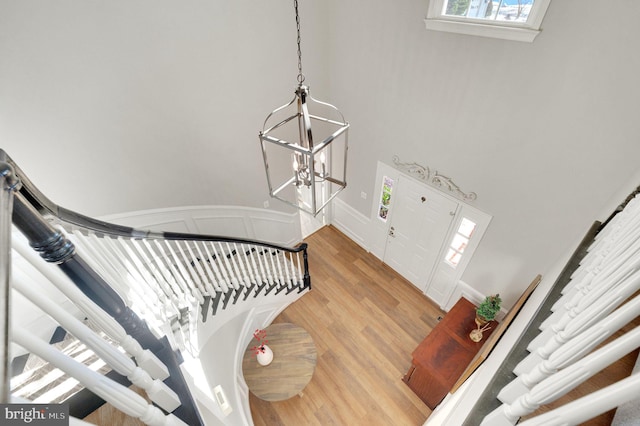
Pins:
x: 419, y: 224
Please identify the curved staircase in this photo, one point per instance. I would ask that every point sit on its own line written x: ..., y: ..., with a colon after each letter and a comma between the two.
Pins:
x: 146, y: 304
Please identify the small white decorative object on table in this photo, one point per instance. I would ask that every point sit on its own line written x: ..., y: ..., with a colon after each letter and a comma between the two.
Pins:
x: 265, y: 355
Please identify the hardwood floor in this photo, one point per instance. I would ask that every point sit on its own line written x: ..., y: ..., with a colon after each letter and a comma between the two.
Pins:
x: 365, y: 320
x: 109, y: 415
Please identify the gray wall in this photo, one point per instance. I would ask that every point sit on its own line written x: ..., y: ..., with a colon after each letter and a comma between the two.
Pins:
x: 116, y: 106
x: 120, y: 106
x: 543, y: 132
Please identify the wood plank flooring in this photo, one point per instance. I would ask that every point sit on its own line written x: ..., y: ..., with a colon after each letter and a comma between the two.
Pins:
x: 365, y: 320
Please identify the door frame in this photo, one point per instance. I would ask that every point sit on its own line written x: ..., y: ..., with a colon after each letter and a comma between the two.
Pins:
x: 448, y: 280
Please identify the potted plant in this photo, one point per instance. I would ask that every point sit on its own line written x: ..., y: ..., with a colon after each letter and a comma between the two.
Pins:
x: 485, y: 313
x: 488, y: 309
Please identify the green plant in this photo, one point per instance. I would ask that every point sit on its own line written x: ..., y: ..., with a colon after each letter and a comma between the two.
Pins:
x: 489, y: 307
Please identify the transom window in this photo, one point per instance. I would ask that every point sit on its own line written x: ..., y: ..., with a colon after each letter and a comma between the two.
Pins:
x: 508, y: 19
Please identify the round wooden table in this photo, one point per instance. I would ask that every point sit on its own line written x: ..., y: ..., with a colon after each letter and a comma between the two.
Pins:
x: 294, y: 360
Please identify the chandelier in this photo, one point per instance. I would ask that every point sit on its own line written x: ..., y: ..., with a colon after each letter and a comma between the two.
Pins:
x: 305, y: 168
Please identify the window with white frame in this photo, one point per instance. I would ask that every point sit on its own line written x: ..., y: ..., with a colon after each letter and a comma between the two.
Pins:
x: 385, y: 198
x: 460, y: 241
x: 518, y: 20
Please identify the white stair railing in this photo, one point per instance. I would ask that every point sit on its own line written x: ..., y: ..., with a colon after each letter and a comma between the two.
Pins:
x: 8, y: 184
x: 587, y: 407
x: 615, y: 262
x: 144, y: 358
x: 114, y: 393
x: 562, y: 382
x: 600, y: 300
x: 165, y: 280
x: 623, y: 227
x: 593, y: 308
x: 571, y: 351
x: 151, y: 285
x: 619, y: 264
x: 157, y: 391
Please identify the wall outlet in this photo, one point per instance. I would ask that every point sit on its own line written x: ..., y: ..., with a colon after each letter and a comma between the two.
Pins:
x: 266, y: 204
x: 363, y: 195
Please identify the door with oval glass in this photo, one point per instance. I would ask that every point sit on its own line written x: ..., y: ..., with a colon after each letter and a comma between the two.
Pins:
x: 419, y: 224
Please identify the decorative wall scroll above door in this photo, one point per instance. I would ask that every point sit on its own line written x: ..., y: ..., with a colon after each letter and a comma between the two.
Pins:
x: 435, y: 179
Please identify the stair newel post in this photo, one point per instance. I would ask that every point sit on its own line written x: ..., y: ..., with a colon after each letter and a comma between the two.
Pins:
x: 307, y: 278
x: 9, y: 183
x: 55, y: 248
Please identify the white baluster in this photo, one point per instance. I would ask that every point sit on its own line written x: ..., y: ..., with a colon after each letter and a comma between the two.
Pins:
x: 121, y: 363
x: 264, y: 266
x: 153, y: 274
x: 117, y: 395
x: 147, y: 280
x: 183, y: 273
x: 623, y: 264
x: 251, y: 264
x: 294, y: 270
x: 189, y: 265
x: 612, y: 284
x: 158, y: 259
x: 587, y: 407
x: 211, y: 255
x: 300, y: 266
x: 95, y: 259
x: 206, y: 265
x: 239, y: 261
x: 234, y: 266
x: 282, y: 259
x: 596, y: 306
x: 227, y: 268
x: 275, y: 268
x: 177, y: 279
x: 197, y: 265
x: 563, y: 381
x: 607, y: 241
x: 107, y: 255
x: 149, y: 299
x: 144, y: 358
x: 573, y: 350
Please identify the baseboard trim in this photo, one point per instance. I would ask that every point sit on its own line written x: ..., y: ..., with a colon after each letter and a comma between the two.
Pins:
x: 463, y: 289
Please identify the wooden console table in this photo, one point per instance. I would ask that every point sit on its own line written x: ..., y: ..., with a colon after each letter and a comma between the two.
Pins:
x: 294, y: 360
x: 444, y: 354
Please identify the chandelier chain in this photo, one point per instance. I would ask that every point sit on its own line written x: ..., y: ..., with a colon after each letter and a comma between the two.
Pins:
x: 300, y: 75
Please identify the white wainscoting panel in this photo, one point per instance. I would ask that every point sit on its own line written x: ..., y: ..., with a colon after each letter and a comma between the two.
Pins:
x: 350, y: 222
x: 226, y: 225
x: 275, y: 227
x: 225, y: 221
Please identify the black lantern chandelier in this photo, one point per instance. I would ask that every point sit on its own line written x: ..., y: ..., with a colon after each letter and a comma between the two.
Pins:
x: 305, y: 168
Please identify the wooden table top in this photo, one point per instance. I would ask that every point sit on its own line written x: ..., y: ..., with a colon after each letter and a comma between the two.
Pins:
x: 294, y: 360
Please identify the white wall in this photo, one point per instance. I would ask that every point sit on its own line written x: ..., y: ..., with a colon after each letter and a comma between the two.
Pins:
x: 545, y: 132
x: 151, y: 103
x: 155, y: 104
